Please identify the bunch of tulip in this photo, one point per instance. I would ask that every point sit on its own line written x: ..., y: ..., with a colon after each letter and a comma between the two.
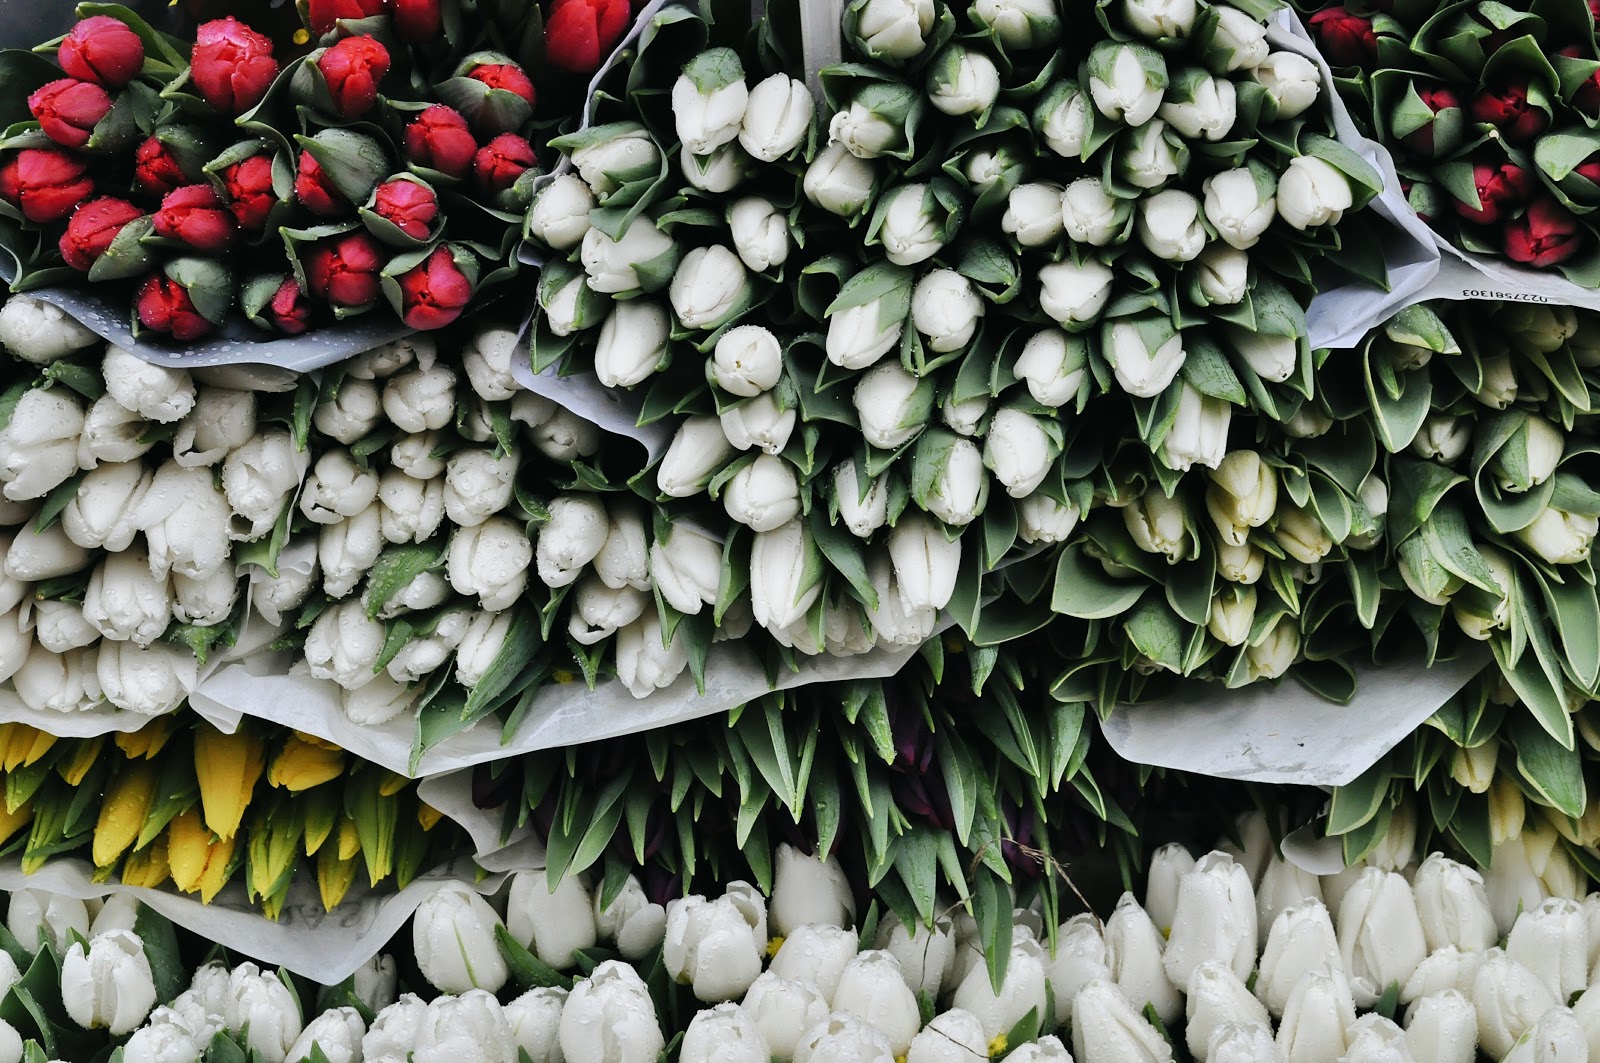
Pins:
x: 390, y: 166
x: 897, y: 340
x: 192, y: 804
x: 1489, y: 110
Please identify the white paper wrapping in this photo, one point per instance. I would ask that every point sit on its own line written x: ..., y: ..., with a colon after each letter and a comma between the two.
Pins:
x: 1465, y: 276
x: 1283, y: 733
x: 1340, y: 317
x: 612, y: 409
x: 561, y: 715
x: 324, y: 947
x: 452, y: 795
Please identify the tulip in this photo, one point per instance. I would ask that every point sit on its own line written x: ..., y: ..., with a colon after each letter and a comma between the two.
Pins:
x: 844, y: 1038
x: 925, y: 562
x: 686, y: 568
x: 56, y: 682
x: 697, y: 451
x: 709, y: 288
x: 1312, y: 193
x: 1063, y: 118
x: 893, y: 405
x: 783, y: 1011
x: 776, y: 119
x: 644, y: 664
x: 36, y: 916
x: 1041, y: 519
x: 945, y: 309
x: 1199, y: 106
x: 924, y: 952
x: 347, y: 551
x: 1074, y: 295
x: 125, y: 601
x: 222, y: 420
x: 167, y: 1038
x: 36, y: 554
x: 491, y: 559
x: 469, y: 1026
x: 108, y: 985
x: 94, y: 227
x: 1272, y: 656
x: 534, y: 1019
x: 709, y: 100
x: 1018, y: 451
x: 1157, y: 19
x: 765, y: 494
x: 40, y: 332
x: 68, y: 110
x: 344, y: 269
x: 747, y: 359
x: 1242, y: 494
x: 816, y: 955
x: 1224, y: 275
x: 909, y: 224
x: 1169, y: 226
x: 1156, y: 525
x: 604, y: 164
x: 552, y: 923
x: 872, y: 989
x: 149, y: 681
x: 1034, y: 213
x: 859, y: 336
x: 1559, y: 537
x: 1510, y: 999
x: 892, y: 29
x: 784, y: 580
x: 961, y: 488
x: 394, y: 1031
x: 39, y: 445
x: 59, y: 627
x: 103, y: 50
x: 1283, y: 885
x: 1552, y: 942
x: 499, y: 164
x: 1317, y: 1014
x: 46, y: 184
x: 609, y: 1018
x: 231, y: 65
x: 1374, y: 1038
x: 1148, y: 158
x: 481, y: 645
x: 453, y: 935
x: 1443, y: 1026
x: 559, y: 215
x: 336, y: 1034
x: 344, y: 645
x: 1199, y: 435
x: 262, y: 1012
x: 839, y: 182
x: 808, y: 891
x: 1019, y: 25
x: 1238, y: 41
x: 1214, y: 919
x: 765, y: 422
x: 477, y: 485
x: 1291, y: 80
x: 1218, y: 998
x: 1134, y: 948
x: 1273, y: 358
x: 962, y: 81
x: 1126, y: 81
x: 1105, y: 1026
x: 1300, y: 942
x: 612, y: 264
x: 1145, y: 354
x: 862, y: 512
x: 632, y: 921
x: 966, y: 417
x: 1089, y: 215
x: 258, y: 480
x: 1241, y: 204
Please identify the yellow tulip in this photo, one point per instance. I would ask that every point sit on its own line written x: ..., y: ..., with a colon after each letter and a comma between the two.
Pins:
x: 147, y: 867
x: 227, y: 768
x: 198, y: 859
x: 393, y: 783
x: 427, y: 815
x: 349, y: 839
x: 300, y: 764
x: 76, y: 764
x: 334, y: 877
x: 21, y: 745
x: 124, y: 811
x: 147, y: 741
x: 11, y: 822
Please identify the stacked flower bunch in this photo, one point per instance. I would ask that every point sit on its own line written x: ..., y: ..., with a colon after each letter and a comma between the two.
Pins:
x: 1490, y: 111
x: 389, y: 166
x: 1008, y: 277
x: 186, y: 802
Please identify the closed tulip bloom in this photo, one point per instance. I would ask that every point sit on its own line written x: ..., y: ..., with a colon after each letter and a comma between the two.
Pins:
x: 206, y: 601
x: 1147, y: 158
x: 262, y: 1012
x: 124, y: 601
x: 571, y: 538
x: 535, y: 1022
x: 344, y: 645
x: 469, y: 1026
x: 624, y: 558
x: 1145, y: 354
x: 709, y: 287
x: 1300, y: 941
x: 109, y: 984
x: 776, y: 119
x: 167, y: 1038
x: 1240, y: 204
x: 609, y: 1018
x: 481, y: 644
x: 862, y: 514
x: 760, y: 234
x: 1169, y: 226
x: 1316, y: 1016
x: 491, y: 560
x: 746, y: 361
x: 603, y: 165
x: 783, y: 585
x: 1018, y: 451
x: 643, y: 663
x: 686, y: 568
x: 1134, y: 947
x: 764, y: 495
x: 1081, y: 957
x: 336, y: 1034
x: 1444, y: 438
x: 1239, y: 42
x: 478, y: 483
x: 1198, y: 106
x: 110, y: 431
x: 422, y: 400
x: 1223, y: 275
x: 1291, y: 80
x: 925, y: 562
x: 34, y: 916
x: 1156, y: 525
x: 39, y: 445
x: 1074, y: 294
x: 59, y: 627
x: 1444, y: 1027
x: 337, y: 488
x: 1156, y: 19
x: 1375, y: 1039
x: 347, y: 551
x: 1552, y: 942
x: 1242, y: 494
x: 894, y: 29
x: 1199, y: 434
x: 962, y: 487
x: 33, y: 555
x: 453, y: 935
x: 808, y: 891
x: 1168, y: 865
x: 356, y: 410
x: 839, y: 182
x: 1559, y: 537
x: 412, y: 509
x: 1381, y: 939
x: 1558, y: 1037
x: 709, y: 100
x: 1312, y: 193
x: 1214, y: 920
x: 1216, y: 998
x: 1034, y: 213
x: 844, y: 1038
x: 1283, y: 885
x: 764, y: 422
x: 910, y: 230
x: 393, y: 1032
x: 1453, y: 906
x: 1041, y: 519
x: 1529, y: 457
x: 697, y: 452
x: 859, y: 336
x: 1510, y: 999
x: 962, y: 81
x: 1091, y: 216
x: 103, y: 511
x: 1106, y: 1027
x: 711, y: 946
x: 893, y: 406
x: 611, y: 264
x: 924, y: 952
x: 966, y: 417
x: 873, y: 990
x: 421, y: 657
x: 632, y: 922
x: 1063, y: 118
x: 817, y: 955
x: 945, y: 309
x: 1126, y: 81
x: 552, y: 924
x: 783, y: 1011
x: 723, y: 1034
x: 258, y: 480
x: 153, y: 392
x: 559, y: 215
x: 40, y: 332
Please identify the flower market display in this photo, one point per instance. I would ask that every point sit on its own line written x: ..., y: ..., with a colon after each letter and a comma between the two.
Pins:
x: 661, y: 533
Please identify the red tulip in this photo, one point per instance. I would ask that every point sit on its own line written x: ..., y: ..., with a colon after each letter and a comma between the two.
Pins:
x: 232, y: 65
x: 433, y: 293
x: 1501, y: 187
x: 156, y: 169
x: 46, y: 184
x: 1508, y: 110
x: 289, y: 310
x: 1347, y: 39
x: 251, y: 196
x: 344, y: 270
x: 323, y: 13
x: 499, y: 163
x: 1426, y: 141
x: 1586, y: 97
x: 579, y: 34
x: 508, y: 77
x: 352, y: 69
x: 416, y: 20
x: 197, y: 216
x: 104, y: 50
x: 1589, y: 169
x: 316, y: 192
x: 410, y: 206
x: 164, y: 305
x: 439, y: 140
x: 68, y: 110
x: 92, y: 228
x: 1545, y: 235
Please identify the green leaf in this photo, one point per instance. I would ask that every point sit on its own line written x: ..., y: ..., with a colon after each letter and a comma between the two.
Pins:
x: 527, y: 970
x: 1083, y: 590
x: 1357, y: 801
x: 395, y: 568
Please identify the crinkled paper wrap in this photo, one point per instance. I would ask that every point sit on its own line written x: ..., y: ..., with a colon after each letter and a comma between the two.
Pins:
x: 1340, y: 317
x: 1283, y: 733
x: 452, y: 795
x: 1467, y: 276
x: 563, y: 714
x: 322, y: 946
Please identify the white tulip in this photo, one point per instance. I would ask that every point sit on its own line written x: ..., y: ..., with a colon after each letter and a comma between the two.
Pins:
x: 535, y: 1022
x: 1453, y: 906
x: 632, y: 343
x: 59, y: 626
x: 708, y: 288
x: 764, y: 495
x: 262, y: 1013
x: 784, y: 1011
x: 1318, y: 1012
x: 924, y: 952
x: 110, y: 432
x: 1238, y: 42
x: 1134, y: 948
x: 1156, y: 525
x: 644, y: 664
x: 423, y: 400
x: 816, y: 954
x: 1199, y: 432
x: 1044, y: 1050
x: 57, y: 682
x: 945, y: 309
x: 1023, y: 990
x: 1215, y: 919
x: 1147, y: 158
x: 1090, y: 215
x: 336, y: 1034
x: 784, y: 576
x: 1510, y: 999
x: 1528, y: 869
x: 953, y: 1036
x: 1312, y: 193
x: 893, y: 406
x: 925, y: 562
x: 895, y: 29
x: 149, y: 680
x: 1072, y: 294
x: 1273, y: 358
x: 374, y: 982
x: 559, y: 215
x: 1145, y: 354
x: 103, y: 511
x: 686, y: 568
x: 355, y: 410
x: 1018, y: 451
x: 1224, y: 274
x: 862, y: 131
x: 962, y: 487
x: 1169, y: 226
x: 1200, y: 107
x: 1041, y: 519
x: 697, y: 451
x: 481, y: 642
x: 1283, y: 885
x: 1375, y: 1039
x: 964, y: 418
x: 1443, y: 1027
x: 552, y: 924
x: 1127, y: 81
x: 708, y: 101
x: 606, y: 164
x: 776, y: 119
x: 125, y: 602
x: 1559, y: 537
x: 1291, y: 80
x: 344, y: 645
x: 632, y: 922
x: 1081, y: 957
x: 151, y: 391
x: 1106, y: 1027
x: 764, y: 422
x: 1240, y: 204
x: 909, y: 230
x: 109, y: 985
x: 452, y: 934
x: 166, y: 1038
x: 394, y: 1031
x: 1163, y: 882
x: 872, y: 989
x: 844, y: 1038
x: 1552, y: 942
x: 469, y: 1026
x: 39, y: 446
x: 570, y: 539
x: 859, y: 336
x: 839, y: 182
x: 1235, y: 1042
x: 258, y: 481
x: 40, y: 332
x: 337, y: 488
x: 746, y: 360
x: 1300, y: 941
x: 861, y: 514
x: 1216, y: 997
x: 723, y: 1034
x: 712, y: 947
x: 1034, y: 213
x: 1156, y: 19
x: 760, y: 236
x: 491, y: 560
x: 808, y: 891
x: 963, y: 81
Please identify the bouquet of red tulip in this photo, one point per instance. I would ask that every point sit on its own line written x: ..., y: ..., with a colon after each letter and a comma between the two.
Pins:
x: 390, y: 166
x: 1491, y: 111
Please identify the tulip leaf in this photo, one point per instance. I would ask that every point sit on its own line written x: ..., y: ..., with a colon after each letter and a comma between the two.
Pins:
x: 845, y: 554
x: 917, y: 861
x: 1083, y: 590
x: 1555, y: 773
x: 1358, y: 800
x: 161, y: 949
x: 992, y: 908
x: 527, y: 970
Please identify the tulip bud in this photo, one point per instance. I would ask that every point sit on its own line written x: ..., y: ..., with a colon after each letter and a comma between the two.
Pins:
x: 1510, y: 999
x: 1291, y: 80
x: 222, y: 420
x: 453, y: 935
x: 1444, y: 1027
x: 491, y: 559
x: 840, y: 182
x: 760, y: 233
x: 945, y: 310
x: 109, y: 984
x: 1105, y: 1026
x: 335, y: 1034
x: 1199, y: 434
x: 1074, y: 295
x: 1300, y: 941
x: 709, y: 100
x: 1552, y: 942
x: 1318, y: 1013
x: 1034, y: 213
x: 1216, y: 999
x: 261, y: 1012
x: 1214, y: 920
x: 552, y: 923
x: 925, y: 562
x: 765, y: 422
x: 1559, y: 537
x: 893, y: 405
x: 1381, y: 939
x: 1156, y: 524
x: 1126, y: 81
x: 783, y: 1011
x: 1089, y: 215
x: 559, y: 215
x: 1312, y: 193
x: 709, y: 288
x: 764, y: 495
x: 808, y: 891
x: 860, y: 335
x: 1241, y: 204
x: 1145, y: 354
x: 40, y: 332
x: 1134, y: 948
x: 873, y: 990
x: 1019, y: 451
x: 696, y: 453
